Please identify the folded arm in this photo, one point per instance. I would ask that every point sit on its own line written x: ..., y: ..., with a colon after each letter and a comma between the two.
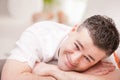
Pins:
x: 115, y: 75
x: 58, y: 74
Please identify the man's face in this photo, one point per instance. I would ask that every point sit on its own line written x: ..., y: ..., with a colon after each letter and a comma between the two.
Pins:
x: 78, y: 52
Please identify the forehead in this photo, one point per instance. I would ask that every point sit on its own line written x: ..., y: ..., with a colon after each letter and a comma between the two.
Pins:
x: 84, y: 36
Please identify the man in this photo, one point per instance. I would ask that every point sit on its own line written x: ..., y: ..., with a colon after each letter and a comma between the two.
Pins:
x: 76, y: 50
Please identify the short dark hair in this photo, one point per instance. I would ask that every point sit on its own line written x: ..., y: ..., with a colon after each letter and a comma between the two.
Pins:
x: 103, y: 32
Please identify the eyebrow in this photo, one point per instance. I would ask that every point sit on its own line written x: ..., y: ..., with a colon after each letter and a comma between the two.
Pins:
x: 80, y: 44
x: 91, y: 57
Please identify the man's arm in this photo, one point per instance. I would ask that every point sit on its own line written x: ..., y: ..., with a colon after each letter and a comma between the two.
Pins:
x: 14, y: 70
x: 63, y: 75
x: 75, y: 76
x: 54, y: 71
x: 58, y: 74
x: 115, y: 75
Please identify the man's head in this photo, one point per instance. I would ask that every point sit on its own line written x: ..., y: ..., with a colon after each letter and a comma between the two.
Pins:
x: 103, y: 33
x: 95, y: 39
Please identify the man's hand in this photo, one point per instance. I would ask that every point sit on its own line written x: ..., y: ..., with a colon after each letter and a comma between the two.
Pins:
x: 44, y: 69
x: 101, y: 68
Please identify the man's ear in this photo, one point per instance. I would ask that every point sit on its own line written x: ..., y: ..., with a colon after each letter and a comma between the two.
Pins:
x: 75, y: 28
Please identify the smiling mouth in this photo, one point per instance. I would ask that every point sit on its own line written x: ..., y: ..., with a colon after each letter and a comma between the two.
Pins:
x: 69, y: 63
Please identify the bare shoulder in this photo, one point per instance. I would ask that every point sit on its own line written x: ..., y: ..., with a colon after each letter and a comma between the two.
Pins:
x: 14, y: 64
x: 13, y: 67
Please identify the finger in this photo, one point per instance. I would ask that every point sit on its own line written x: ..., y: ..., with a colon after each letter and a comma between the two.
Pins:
x: 105, y: 69
x: 107, y: 64
x: 102, y: 72
x: 112, y: 68
x: 102, y: 69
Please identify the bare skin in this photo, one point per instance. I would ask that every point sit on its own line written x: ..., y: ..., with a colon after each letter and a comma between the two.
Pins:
x: 95, y: 72
x: 22, y: 71
x: 14, y: 70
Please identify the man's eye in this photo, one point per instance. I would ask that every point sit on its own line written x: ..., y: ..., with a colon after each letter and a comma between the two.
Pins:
x: 77, y: 46
x: 87, y: 58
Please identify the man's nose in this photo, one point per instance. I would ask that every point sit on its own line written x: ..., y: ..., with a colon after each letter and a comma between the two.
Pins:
x: 76, y: 57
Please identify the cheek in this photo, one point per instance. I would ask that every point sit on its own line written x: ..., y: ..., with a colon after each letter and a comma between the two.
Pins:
x: 61, y: 62
x: 84, y: 65
x: 69, y: 47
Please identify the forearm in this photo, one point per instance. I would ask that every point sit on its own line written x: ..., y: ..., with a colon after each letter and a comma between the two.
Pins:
x: 75, y: 76
x: 115, y: 75
x: 81, y: 76
x: 54, y: 71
